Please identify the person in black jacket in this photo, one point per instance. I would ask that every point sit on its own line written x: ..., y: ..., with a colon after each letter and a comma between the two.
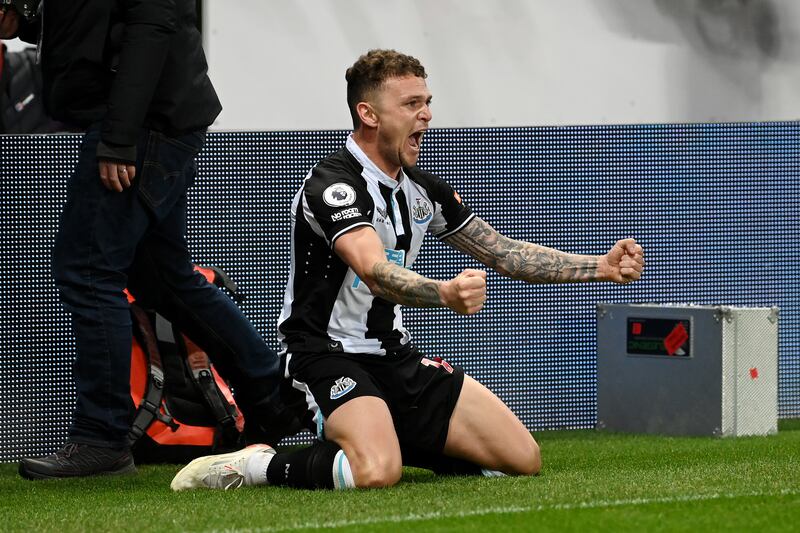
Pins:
x: 132, y: 73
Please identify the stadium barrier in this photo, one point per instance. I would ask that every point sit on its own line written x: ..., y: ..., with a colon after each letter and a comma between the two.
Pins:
x: 716, y: 206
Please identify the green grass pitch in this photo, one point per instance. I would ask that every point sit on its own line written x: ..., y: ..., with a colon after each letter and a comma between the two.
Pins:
x: 590, y: 482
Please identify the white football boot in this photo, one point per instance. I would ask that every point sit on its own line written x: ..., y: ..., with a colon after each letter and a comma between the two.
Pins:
x: 224, y: 471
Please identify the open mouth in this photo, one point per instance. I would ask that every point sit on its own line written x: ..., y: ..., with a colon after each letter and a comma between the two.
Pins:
x: 415, y: 139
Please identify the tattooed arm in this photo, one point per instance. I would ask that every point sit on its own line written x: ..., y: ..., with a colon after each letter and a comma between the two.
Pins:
x: 538, y: 264
x: 362, y: 250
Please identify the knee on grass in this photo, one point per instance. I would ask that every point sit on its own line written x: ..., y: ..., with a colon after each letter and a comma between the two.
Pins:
x: 377, y: 471
x: 525, y: 459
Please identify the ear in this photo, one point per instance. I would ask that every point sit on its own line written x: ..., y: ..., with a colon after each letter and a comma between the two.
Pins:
x: 367, y: 114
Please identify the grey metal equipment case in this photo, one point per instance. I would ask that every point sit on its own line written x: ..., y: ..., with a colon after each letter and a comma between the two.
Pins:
x: 687, y: 370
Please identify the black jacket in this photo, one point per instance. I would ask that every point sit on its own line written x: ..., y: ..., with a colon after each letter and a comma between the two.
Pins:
x: 127, y: 63
x: 21, y: 108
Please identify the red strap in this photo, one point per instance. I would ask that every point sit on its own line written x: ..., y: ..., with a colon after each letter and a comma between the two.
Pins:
x: 207, y: 272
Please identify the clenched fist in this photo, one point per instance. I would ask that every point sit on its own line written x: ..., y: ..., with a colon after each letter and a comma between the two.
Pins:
x: 466, y: 293
x: 623, y: 263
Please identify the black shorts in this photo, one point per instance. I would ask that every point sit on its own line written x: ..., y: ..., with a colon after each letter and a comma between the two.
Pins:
x: 421, y: 392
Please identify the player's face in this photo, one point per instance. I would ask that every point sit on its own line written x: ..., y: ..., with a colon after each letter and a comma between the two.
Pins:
x: 403, y: 108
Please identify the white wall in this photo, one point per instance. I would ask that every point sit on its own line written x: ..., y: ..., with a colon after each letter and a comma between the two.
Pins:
x: 279, y: 64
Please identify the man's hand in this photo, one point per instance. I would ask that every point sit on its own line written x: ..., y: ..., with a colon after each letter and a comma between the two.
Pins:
x: 116, y: 176
x: 9, y: 23
x: 465, y: 293
x: 623, y: 263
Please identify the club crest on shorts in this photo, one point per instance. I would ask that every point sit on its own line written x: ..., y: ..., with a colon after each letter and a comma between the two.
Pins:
x: 339, y: 195
x: 342, y: 386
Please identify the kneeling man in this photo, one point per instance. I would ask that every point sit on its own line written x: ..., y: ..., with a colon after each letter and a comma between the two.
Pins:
x: 374, y: 399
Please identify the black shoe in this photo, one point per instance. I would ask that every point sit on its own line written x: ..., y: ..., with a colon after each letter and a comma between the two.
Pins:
x: 78, y: 460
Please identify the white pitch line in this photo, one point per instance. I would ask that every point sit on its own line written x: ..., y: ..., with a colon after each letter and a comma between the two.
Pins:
x: 416, y: 517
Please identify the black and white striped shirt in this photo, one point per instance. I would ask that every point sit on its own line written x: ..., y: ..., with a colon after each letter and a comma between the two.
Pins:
x: 326, y: 307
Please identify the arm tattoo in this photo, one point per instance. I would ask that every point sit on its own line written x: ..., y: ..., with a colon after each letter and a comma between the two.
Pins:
x: 405, y: 287
x: 521, y: 260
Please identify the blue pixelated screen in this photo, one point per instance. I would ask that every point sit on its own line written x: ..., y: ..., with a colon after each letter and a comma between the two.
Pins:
x: 716, y: 206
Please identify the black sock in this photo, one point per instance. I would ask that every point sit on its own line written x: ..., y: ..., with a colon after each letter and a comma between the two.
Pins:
x: 306, y: 468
